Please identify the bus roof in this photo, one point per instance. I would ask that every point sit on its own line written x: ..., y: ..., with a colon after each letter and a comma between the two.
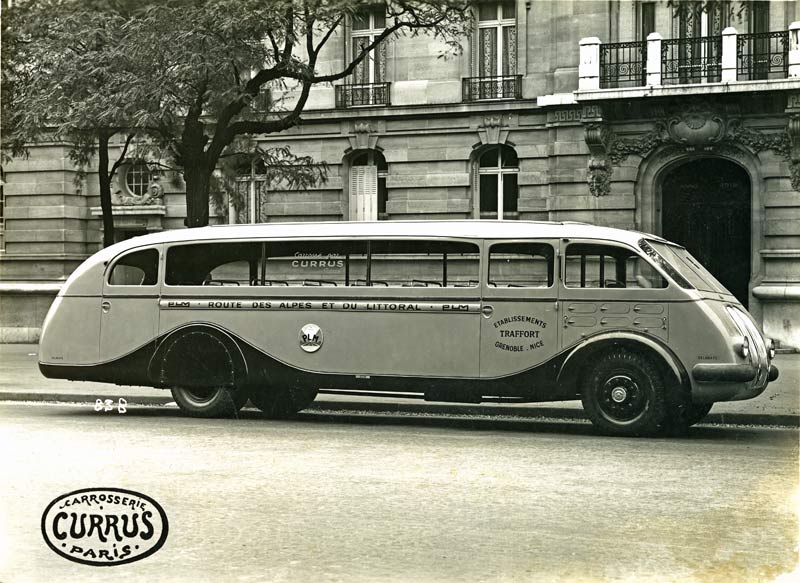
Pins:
x: 466, y: 229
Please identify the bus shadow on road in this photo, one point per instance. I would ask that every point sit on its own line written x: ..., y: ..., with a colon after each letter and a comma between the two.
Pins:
x: 407, y: 417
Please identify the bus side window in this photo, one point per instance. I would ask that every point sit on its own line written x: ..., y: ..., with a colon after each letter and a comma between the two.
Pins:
x: 418, y: 263
x: 591, y: 265
x: 315, y: 263
x: 521, y: 265
x: 137, y: 268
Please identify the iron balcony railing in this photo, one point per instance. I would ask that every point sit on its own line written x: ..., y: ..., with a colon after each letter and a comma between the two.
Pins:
x: 691, y: 60
x: 500, y: 87
x: 762, y: 55
x: 622, y: 64
x: 362, y: 94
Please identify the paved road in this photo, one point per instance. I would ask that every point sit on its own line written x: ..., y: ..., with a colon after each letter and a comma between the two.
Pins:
x: 21, y: 380
x: 429, y: 498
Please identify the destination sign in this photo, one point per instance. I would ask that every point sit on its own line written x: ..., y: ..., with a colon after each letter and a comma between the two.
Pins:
x: 260, y: 305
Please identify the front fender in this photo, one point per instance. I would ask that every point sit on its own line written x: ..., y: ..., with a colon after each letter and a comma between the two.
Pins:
x: 581, y: 353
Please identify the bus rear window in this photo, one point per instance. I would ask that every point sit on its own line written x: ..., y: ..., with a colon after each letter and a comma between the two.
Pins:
x: 137, y: 268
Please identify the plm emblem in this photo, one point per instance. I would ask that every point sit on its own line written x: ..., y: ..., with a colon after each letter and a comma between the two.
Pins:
x: 310, y: 337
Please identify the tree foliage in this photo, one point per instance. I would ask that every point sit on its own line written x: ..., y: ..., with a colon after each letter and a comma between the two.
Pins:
x: 194, y: 77
x: 60, y: 66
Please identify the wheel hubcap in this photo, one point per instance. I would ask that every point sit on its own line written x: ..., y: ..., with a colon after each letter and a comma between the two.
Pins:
x: 621, y: 399
x: 619, y: 394
x: 200, y: 395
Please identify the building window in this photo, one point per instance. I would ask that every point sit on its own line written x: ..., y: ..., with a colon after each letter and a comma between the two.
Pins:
x: 758, y: 16
x: 368, y: 193
x: 694, y: 53
x: 137, y: 178
x: 494, y: 55
x: 368, y: 24
x: 647, y: 19
x: 367, y: 85
x: 497, y: 39
x: 498, y: 192
x: 251, y: 194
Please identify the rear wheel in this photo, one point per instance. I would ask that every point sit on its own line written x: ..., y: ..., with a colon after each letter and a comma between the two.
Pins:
x: 624, y: 394
x: 282, y: 403
x: 210, y: 402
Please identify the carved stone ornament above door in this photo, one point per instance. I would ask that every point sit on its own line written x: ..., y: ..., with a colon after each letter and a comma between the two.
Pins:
x: 695, y: 125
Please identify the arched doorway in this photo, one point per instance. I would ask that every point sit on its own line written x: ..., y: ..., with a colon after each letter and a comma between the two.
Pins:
x: 706, y: 207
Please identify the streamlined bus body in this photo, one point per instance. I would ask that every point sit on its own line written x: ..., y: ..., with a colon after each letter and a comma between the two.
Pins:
x: 461, y: 311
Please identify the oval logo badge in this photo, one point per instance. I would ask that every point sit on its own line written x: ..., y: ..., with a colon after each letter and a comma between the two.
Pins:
x: 104, y: 526
x: 310, y: 337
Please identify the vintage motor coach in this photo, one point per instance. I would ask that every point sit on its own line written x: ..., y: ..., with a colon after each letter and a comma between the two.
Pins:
x: 462, y: 311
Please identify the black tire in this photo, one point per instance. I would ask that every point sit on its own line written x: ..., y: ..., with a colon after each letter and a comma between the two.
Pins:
x: 210, y: 402
x: 624, y: 394
x: 686, y: 414
x: 282, y: 403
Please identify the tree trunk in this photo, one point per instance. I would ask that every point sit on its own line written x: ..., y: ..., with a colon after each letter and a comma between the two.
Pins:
x: 105, y: 188
x: 198, y: 181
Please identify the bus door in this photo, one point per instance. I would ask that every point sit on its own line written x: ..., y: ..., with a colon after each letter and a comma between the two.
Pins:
x: 129, y: 307
x: 609, y: 286
x: 519, y: 312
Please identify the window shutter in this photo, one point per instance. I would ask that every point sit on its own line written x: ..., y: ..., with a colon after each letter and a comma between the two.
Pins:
x: 364, y: 193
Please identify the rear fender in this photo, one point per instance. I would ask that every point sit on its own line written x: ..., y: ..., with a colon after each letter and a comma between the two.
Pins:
x: 189, y: 343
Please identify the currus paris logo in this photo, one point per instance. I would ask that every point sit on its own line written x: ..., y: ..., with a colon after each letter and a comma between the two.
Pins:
x: 104, y: 526
x: 310, y: 337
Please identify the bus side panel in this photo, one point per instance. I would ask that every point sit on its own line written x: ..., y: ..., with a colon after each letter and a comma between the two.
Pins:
x: 71, y: 334
x: 353, y: 342
x: 519, y: 335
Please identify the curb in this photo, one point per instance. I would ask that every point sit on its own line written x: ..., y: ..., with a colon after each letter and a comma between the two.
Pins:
x: 777, y: 420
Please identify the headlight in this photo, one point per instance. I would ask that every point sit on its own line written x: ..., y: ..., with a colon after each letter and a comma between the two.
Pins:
x: 771, y: 348
x: 743, y: 347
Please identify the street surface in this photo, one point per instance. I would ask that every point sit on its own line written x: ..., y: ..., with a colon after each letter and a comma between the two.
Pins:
x: 370, y: 497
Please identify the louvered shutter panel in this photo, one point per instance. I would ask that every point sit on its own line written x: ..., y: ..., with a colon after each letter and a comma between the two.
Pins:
x: 363, y: 193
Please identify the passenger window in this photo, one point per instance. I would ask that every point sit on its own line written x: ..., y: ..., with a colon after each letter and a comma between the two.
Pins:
x: 325, y: 264
x: 233, y: 273
x: 213, y: 264
x: 315, y: 263
x: 606, y: 266
x: 521, y: 265
x: 423, y: 264
x: 137, y: 268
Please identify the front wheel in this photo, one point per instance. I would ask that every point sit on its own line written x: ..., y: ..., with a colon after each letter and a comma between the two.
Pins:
x: 687, y: 414
x: 624, y: 394
x: 282, y: 403
x: 210, y: 402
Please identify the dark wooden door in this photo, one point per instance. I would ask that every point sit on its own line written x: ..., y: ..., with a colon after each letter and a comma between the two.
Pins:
x: 706, y: 208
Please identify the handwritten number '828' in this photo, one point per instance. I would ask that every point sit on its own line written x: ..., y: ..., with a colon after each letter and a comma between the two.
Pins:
x: 107, y: 405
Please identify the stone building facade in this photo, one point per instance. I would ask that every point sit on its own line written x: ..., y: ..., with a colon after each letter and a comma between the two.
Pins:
x: 681, y: 119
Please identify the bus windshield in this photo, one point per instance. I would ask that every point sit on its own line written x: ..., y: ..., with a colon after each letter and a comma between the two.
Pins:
x: 689, y: 268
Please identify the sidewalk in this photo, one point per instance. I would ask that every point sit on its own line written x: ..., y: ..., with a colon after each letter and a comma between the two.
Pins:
x: 20, y: 380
